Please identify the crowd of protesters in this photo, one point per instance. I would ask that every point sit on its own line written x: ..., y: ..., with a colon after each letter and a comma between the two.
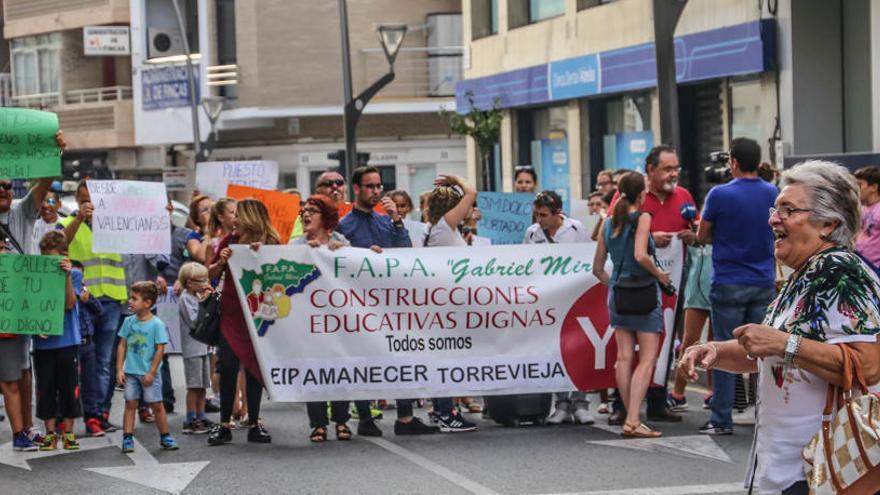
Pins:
x: 736, y: 247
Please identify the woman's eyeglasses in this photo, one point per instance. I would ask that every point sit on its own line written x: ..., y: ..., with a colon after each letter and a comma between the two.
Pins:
x: 310, y: 211
x: 785, y: 212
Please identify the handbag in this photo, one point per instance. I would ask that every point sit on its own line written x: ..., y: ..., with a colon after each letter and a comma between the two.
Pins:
x: 207, y: 325
x: 634, y: 295
x: 844, y: 456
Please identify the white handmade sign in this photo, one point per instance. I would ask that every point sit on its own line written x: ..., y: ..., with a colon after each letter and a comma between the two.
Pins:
x: 212, y: 178
x: 130, y: 217
x: 429, y: 322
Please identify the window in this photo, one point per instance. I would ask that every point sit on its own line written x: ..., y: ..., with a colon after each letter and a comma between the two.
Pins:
x: 544, y: 9
x: 484, y: 18
x: 586, y: 4
x: 36, y: 64
x: 745, y: 110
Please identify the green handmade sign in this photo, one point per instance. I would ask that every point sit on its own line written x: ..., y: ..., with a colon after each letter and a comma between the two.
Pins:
x: 32, y: 290
x: 27, y: 144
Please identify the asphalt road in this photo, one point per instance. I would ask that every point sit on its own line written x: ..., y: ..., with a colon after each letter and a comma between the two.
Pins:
x: 589, y: 460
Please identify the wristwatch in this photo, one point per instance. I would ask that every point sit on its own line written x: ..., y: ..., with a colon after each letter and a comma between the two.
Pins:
x: 791, y: 349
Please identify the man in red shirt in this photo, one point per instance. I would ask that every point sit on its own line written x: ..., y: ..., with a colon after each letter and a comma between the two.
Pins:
x: 664, y: 201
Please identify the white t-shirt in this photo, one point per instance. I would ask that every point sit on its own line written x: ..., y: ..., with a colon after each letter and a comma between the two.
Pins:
x: 790, y: 401
x: 443, y: 235
x: 570, y: 231
x: 20, y: 221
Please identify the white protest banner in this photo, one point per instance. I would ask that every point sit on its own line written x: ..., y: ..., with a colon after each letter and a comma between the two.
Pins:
x: 430, y: 322
x: 212, y: 178
x: 130, y: 217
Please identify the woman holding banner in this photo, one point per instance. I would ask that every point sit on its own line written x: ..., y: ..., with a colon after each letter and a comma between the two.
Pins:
x: 251, y: 225
x: 633, y: 297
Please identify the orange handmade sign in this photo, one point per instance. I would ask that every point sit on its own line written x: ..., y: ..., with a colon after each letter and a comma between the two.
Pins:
x: 283, y: 208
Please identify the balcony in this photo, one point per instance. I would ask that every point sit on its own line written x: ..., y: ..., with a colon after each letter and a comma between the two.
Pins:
x: 95, y: 118
x: 420, y: 72
x: 27, y: 17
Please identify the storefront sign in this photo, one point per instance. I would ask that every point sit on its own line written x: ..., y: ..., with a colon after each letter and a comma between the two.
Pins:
x: 130, y: 217
x: 106, y: 40
x: 430, y: 322
x: 575, y: 78
x: 505, y: 216
x: 167, y: 86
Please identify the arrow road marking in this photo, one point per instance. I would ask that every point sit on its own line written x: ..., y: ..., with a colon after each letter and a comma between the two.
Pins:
x: 692, y: 446
x: 169, y: 478
x: 20, y: 459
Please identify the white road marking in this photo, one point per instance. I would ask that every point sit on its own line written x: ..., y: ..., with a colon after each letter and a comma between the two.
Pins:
x: 667, y: 490
x: 451, y: 476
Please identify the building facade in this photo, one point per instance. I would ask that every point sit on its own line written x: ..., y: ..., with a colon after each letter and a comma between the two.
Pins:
x: 577, y: 82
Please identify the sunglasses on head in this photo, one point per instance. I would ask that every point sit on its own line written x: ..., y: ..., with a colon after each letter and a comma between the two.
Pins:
x: 332, y: 182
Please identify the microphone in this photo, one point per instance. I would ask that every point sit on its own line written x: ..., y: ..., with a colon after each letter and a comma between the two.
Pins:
x: 689, y: 213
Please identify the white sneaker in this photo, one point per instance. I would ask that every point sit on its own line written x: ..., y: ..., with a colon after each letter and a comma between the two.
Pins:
x: 560, y: 414
x: 746, y: 417
x: 582, y: 414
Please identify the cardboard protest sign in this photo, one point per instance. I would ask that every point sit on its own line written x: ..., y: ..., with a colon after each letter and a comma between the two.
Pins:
x: 130, y: 217
x: 506, y: 216
x: 283, y: 208
x: 31, y: 295
x: 27, y: 144
x: 212, y: 178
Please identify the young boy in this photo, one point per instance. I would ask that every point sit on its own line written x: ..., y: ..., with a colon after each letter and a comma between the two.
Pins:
x: 56, y: 357
x: 196, y: 284
x: 142, y: 340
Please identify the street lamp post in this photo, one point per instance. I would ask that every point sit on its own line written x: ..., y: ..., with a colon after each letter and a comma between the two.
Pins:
x: 391, y: 37
x: 197, y: 151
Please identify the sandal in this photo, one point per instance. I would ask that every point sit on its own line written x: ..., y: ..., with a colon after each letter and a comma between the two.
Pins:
x: 639, y: 431
x: 343, y: 433
x: 318, y: 435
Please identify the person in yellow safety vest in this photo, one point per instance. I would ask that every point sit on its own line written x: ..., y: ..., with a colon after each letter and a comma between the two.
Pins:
x: 104, y: 275
x: 331, y: 183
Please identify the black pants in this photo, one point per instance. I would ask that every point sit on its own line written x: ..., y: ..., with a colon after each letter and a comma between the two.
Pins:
x: 228, y: 366
x: 318, y: 412
x: 656, y: 398
x: 57, y: 374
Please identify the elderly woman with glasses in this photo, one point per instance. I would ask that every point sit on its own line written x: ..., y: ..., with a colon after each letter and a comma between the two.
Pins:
x: 832, y: 298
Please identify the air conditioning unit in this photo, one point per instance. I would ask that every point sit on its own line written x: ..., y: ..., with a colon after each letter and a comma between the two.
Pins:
x: 164, y: 42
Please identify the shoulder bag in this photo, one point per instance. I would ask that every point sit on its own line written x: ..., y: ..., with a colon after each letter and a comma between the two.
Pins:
x: 844, y: 456
x: 207, y: 325
x: 634, y: 295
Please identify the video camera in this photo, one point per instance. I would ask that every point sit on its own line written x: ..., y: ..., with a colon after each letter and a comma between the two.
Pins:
x: 718, y: 172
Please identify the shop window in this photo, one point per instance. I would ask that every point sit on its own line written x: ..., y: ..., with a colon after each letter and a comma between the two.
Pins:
x: 745, y: 111
x: 586, y: 4
x: 36, y: 64
x: 622, y: 135
x: 484, y: 18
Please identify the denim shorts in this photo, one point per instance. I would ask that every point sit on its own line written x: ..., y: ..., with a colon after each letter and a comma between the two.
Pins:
x: 650, y: 323
x: 136, y: 390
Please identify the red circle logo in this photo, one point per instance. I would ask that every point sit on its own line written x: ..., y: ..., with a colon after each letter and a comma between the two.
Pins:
x: 587, y: 342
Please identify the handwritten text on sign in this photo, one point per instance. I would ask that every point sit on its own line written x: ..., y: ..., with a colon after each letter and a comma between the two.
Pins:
x: 130, y: 217
x: 212, y: 178
x: 283, y: 208
x: 506, y: 216
x: 27, y: 144
x: 31, y: 295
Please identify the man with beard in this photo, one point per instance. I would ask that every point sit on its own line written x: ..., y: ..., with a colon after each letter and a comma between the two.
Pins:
x: 365, y: 228
x: 331, y: 184
x: 664, y: 200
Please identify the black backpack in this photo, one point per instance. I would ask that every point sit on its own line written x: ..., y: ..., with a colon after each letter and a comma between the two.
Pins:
x: 207, y: 325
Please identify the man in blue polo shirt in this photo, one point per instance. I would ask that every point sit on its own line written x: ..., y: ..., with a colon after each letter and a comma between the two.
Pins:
x: 365, y: 228
x: 735, y: 223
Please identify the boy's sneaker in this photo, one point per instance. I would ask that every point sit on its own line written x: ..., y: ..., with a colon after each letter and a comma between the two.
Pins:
x: 127, y: 444
x: 167, y: 442
x: 194, y: 427
x: 414, y: 427
x: 70, y: 442
x: 455, y: 424
x: 93, y: 428
x: 35, y: 435
x: 22, y: 443
x: 207, y: 423
x: 50, y: 443
x: 219, y: 435
x: 709, y: 429
x: 677, y: 405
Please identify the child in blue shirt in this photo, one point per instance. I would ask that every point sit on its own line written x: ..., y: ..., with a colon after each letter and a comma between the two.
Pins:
x: 142, y: 340
x: 55, y: 357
